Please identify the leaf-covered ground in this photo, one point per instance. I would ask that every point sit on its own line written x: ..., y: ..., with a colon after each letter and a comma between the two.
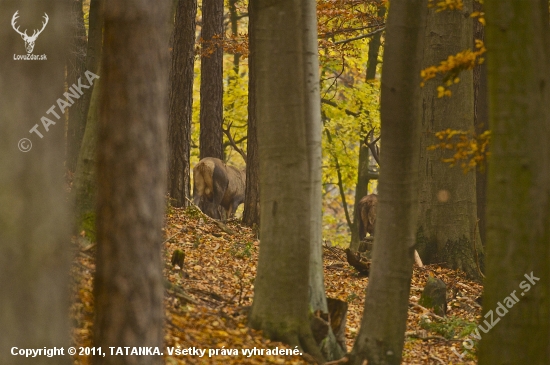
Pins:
x: 207, y: 300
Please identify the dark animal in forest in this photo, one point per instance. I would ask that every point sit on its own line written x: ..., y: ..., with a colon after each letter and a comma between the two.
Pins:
x: 366, y: 215
x: 218, y: 185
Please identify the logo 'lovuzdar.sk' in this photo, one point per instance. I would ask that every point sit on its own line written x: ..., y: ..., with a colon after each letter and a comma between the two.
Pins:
x: 29, y: 40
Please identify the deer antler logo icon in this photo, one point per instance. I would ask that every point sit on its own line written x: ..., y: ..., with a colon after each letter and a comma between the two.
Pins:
x: 29, y: 41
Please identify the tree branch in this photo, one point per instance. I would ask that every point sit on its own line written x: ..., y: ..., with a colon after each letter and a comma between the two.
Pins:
x: 361, y: 36
x: 227, y: 132
x: 334, y: 104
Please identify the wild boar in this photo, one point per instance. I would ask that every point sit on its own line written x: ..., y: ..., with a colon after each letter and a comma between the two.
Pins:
x: 218, y: 185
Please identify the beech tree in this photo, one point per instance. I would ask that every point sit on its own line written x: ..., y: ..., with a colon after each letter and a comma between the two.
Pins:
x: 211, y: 113
x: 34, y: 236
x: 181, y: 103
x: 289, y: 280
x: 447, y: 229
x: 382, y: 334
x: 128, y: 289
x: 518, y: 211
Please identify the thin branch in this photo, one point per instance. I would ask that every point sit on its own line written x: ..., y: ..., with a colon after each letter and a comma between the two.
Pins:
x: 227, y: 132
x: 372, y: 146
x: 340, y: 182
x: 361, y: 36
x: 334, y: 104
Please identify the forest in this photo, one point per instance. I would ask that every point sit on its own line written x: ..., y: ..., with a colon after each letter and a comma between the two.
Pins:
x: 275, y: 182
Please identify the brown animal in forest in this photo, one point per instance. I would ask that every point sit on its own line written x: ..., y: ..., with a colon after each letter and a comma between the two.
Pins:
x: 218, y: 185
x: 366, y: 212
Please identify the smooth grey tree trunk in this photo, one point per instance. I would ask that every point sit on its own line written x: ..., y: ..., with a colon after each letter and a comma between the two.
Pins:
x: 281, y: 307
x: 34, y: 237
x: 181, y: 103
x: 518, y: 211
x: 382, y: 334
x: 448, y: 209
x: 128, y: 290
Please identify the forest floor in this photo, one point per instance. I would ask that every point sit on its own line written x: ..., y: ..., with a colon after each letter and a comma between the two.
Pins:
x: 207, y: 300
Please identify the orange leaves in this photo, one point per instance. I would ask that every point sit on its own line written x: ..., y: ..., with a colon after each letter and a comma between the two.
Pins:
x: 470, y: 150
x: 453, y: 66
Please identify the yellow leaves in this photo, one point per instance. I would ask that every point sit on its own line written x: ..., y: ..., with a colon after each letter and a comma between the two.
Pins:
x: 452, y: 67
x: 470, y: 150
x: 480, y: 17
x: 446, y: 5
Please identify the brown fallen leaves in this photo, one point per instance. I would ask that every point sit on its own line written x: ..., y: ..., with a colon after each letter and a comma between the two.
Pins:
x: 207, y: 300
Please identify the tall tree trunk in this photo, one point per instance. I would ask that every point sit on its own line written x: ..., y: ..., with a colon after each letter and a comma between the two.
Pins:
x: 76, y: 132
x: 34, y: 236
x: 374, y: 47
x: 363, y: 174
x: 76, y: 66
x: 448, y: 211
x: 132, y: 171
x: 331, y: 350
x: 382, y: 333
x: 281, y: 297
x: 85, y: 182
x: 481, y: 122
x: 251, y: 213
x: 518, y: 212
x: 181, y: 103
x: 234, y: 20
x: 211, y: 113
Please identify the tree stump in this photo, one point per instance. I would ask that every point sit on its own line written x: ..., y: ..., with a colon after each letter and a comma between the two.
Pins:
x: 434, y: 296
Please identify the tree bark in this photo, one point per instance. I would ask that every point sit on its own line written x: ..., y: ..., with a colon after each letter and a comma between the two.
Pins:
x: 281, y: 298
x: 374, y: 48
x: 251, y: 213
x: 85, y: 182
x: 481, y: 122
x: 34, y: 236
x: 448, y: 210
x: 77, y: 127
x: 76, y: 66
x: 211, y: 113
x: 518, y: 211
x: 128, y: 288
x: 382, y: 333
x: 361, y: 188
x: 181, y: 103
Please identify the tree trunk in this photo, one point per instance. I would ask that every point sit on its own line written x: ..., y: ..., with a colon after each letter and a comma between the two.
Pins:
x: 281, y: 298
x: 382, y: 333
x: 181, y: 103
x: 363, y: 179
x: 85, y: 182
x: 234, y: 20
x: 448, y: 211
x: 481, y: 122
x: 330, y: 349
x: 251, y: 213
x: 518, y: 211
x: 128, y: 288
x: 77, y: 128
x: 76, y: 66
x: 34, y: 237
x: 211, y: 113
x: 374, y: 48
